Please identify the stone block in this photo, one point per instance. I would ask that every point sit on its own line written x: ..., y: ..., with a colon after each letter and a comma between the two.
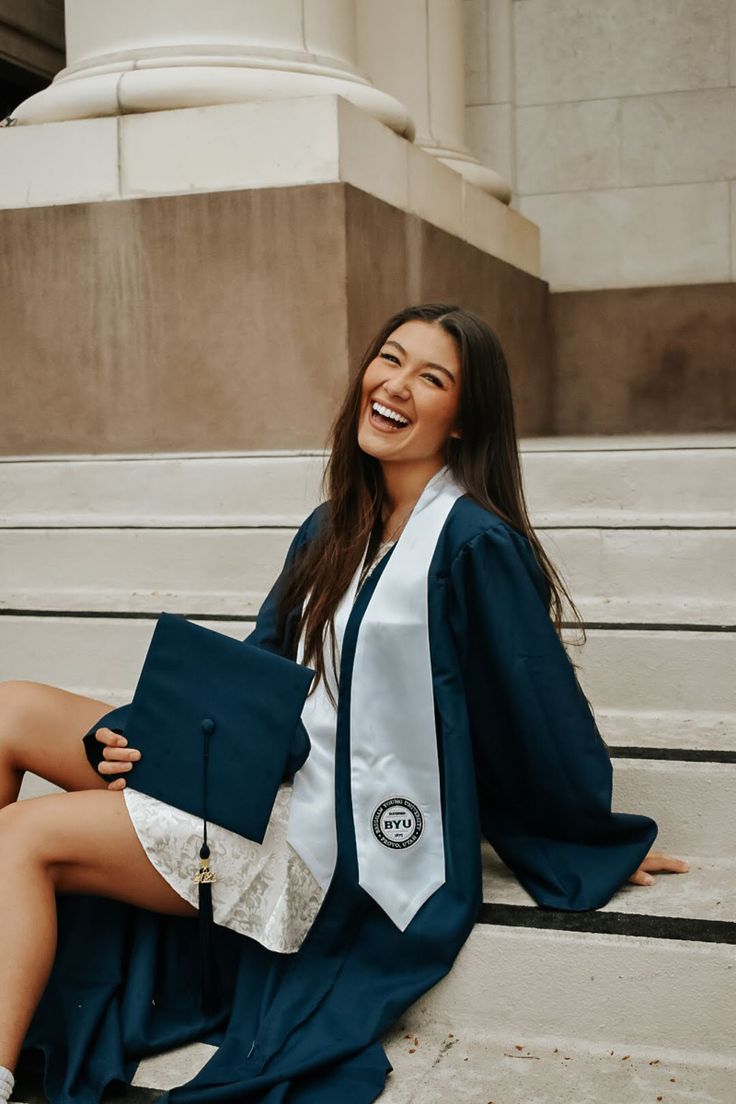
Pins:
x: 633, y: 237
x: 437, y: 188
x: 56, y: 163
x: 493, y: 227
x: 565, y: 50
x: 248, y: 145
x: 645, y: 360
x: 230, y: 319
x: 678, y: 137
x: 568, y: 147
x: 372, y: 157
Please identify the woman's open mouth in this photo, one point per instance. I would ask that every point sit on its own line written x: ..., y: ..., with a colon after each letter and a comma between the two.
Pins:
x: 388, y: 421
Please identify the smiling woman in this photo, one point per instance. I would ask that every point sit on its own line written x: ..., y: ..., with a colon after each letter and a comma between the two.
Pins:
x: 410, y: 406
x: 444, y: 706
x: 410, y: 389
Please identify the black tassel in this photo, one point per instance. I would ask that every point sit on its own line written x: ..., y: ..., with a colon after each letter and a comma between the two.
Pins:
x: 204, y: 879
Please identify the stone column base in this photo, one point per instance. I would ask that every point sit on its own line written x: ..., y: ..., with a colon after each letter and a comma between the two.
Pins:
x: 229, y: 320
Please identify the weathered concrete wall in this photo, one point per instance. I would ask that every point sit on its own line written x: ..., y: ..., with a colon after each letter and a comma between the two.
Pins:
x: 227, y: 320
x: 649, y: 360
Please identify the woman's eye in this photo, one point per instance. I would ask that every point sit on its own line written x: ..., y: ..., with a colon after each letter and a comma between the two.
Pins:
x: 435, y: 379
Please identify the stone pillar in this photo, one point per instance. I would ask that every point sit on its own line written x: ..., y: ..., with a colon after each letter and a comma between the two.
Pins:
x: 414, y: 50
x: 138, y: 56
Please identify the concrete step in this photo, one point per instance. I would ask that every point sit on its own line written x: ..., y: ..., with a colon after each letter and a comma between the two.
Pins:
x: 216, y: 489
x: 638, y: 480
x: 681, y: 480
x: 681, y: 577
x: 654, y: 979
x: 661, y: 688
x: 436, y: 1066
x: 657, y: 688
x: 660, y: 993
x: 643, y: 1023
x: 705, y: 895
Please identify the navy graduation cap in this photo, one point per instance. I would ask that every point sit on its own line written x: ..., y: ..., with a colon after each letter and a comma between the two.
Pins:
x: 218, y: 725
x: 204, y: 698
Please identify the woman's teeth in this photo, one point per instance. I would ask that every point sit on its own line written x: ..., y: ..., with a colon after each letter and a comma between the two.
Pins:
x: 385, y: 417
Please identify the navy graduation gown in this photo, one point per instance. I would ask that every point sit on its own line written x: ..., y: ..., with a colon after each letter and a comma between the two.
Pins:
x: 521, y: 760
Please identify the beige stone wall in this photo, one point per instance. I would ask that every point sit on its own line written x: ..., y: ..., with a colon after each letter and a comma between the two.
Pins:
x: 614, y: 123
x: 228, y: 320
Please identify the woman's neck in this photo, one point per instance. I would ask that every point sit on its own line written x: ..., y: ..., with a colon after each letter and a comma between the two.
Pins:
x: 404, y: 482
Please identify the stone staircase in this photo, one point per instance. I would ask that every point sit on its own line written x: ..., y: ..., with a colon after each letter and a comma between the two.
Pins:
x: 635, y: 1002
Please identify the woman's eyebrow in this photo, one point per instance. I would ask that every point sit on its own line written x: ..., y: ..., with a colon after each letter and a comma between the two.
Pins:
x: 428, y: 363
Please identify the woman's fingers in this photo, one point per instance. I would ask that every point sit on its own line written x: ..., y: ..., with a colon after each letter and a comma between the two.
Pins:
x: 640, y: 877
x: 118, y: 784
x: 112, y: 739
x: 120, y: 755
x: 115, y: 764
x: 117, y: 756
x: 658, y: 862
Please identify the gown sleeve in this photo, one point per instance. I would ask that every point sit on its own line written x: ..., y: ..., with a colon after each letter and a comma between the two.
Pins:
x: 264, y: 635
x: 544, y: 775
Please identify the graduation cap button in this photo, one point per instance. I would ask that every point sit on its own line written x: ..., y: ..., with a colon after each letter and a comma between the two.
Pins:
x: 208, y: 726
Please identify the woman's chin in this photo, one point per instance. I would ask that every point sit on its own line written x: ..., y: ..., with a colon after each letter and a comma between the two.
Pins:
x: 373, y: 442
x: 371, y: 447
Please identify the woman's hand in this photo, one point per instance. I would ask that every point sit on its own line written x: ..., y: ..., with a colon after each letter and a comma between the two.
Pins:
x: 117, y: 756
x: 656, y: 861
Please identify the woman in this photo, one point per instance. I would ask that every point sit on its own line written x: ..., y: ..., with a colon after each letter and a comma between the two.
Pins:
x: 458, y: 711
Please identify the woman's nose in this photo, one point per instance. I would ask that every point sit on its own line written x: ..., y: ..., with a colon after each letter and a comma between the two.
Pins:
x: 397, y: 386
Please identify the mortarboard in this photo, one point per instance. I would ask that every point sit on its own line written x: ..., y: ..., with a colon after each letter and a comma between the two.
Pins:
x: 216, y: 720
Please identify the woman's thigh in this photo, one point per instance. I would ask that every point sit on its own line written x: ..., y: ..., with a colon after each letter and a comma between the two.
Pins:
x: 87, y: 843
x: 41, y: 730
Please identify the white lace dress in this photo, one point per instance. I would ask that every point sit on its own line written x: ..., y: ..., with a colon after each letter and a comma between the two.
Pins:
x: 264, y: 890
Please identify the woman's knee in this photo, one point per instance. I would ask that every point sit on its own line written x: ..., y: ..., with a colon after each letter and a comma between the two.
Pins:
x: 50, y: 834
x: 41, y: 730
x: 17, y: 697
x: 85, y: 843
x: 26, y: 835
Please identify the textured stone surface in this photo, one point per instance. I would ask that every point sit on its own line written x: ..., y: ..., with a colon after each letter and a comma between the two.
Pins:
x: 568, y: 147
x: 645, y: 360
x: 229, y: 320
x: 633, y: 237
x: 569, y: 51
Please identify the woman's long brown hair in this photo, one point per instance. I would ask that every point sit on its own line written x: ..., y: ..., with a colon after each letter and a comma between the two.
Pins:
x: 484, y: 460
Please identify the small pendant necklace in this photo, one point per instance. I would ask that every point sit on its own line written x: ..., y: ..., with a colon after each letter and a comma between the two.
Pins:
x: 397, y: 529
x: 383, y: 547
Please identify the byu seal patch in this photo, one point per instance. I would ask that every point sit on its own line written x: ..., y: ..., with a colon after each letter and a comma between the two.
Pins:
x: 397, y: 823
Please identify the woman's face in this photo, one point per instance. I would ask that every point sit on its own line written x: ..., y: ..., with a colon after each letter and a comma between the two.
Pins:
x: 416, y: 375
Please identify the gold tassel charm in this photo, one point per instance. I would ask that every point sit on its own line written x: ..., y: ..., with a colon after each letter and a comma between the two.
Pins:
x: 204, y: 875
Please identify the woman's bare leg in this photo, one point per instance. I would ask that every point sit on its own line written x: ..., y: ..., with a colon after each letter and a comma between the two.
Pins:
x: 41, y: 730
x: 63, y: 843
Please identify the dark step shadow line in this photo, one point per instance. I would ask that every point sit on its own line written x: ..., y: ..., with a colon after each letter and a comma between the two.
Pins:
x: 684, y: 928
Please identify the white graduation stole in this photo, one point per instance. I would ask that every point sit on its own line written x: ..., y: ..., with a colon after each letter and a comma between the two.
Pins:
x: 394, y: 767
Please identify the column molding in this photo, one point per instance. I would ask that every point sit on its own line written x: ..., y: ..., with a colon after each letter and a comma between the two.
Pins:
x: 139, y: 57
x: 416, y: 52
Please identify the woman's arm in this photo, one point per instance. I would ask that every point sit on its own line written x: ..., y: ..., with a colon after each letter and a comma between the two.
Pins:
x: 544, y: 774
